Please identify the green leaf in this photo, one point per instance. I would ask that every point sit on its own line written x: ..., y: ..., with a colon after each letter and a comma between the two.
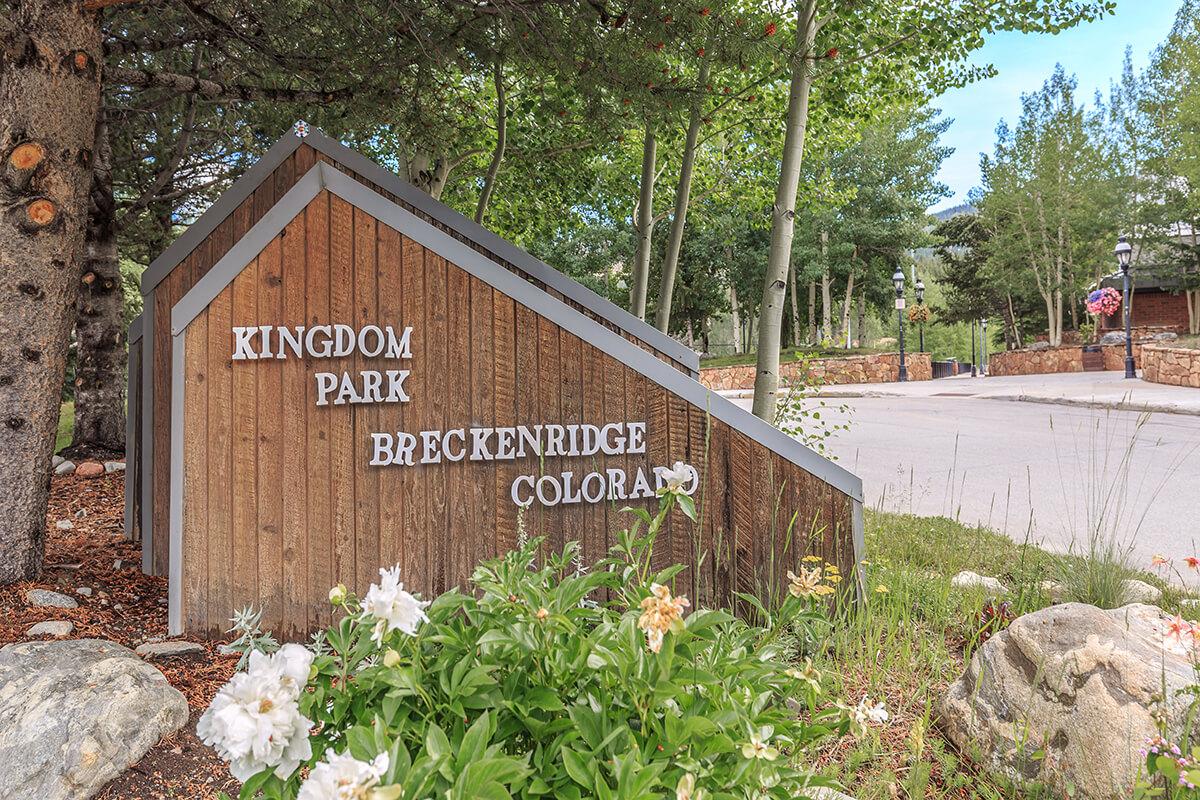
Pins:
x: 437, y: 744
x: 577, y: 767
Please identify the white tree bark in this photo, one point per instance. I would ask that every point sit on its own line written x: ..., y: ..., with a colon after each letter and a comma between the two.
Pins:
x: 783, y: 216
x: 644, y: 226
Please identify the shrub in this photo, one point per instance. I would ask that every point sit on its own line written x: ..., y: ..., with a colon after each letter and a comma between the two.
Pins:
x: 547, y: 681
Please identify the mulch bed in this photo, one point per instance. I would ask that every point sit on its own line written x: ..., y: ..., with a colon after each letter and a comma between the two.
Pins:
x: 129, y: 608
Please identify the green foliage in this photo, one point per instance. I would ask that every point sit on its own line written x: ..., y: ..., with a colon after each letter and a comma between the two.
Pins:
x: 535, y: 686
x: 798, y: 413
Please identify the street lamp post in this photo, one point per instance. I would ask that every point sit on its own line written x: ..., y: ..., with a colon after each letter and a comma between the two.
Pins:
x: 974, y: 360
x: 983, y: 346
x: 898, y: 282
x: 920, y: 287
x: 1124, y: 253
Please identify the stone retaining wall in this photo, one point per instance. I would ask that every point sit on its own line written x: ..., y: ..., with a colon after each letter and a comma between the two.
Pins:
x: 1055, y: 359
x: 1177, y: 366
x: 873, y: 368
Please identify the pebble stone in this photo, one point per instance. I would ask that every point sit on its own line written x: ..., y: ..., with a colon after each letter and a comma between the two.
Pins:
x: 175, y: 649
x: 64, y: 525
x: 57, y: 628
x: 84, y: 591
x: 81, y: 513
x: 49, y: 599
x: 55, y: 461
x: 114, y: 466
x: 90, y: 469
x: 65, y: 468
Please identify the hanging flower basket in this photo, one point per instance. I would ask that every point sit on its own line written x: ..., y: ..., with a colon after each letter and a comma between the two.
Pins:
x: 919, y: 313
x: 1104, y: 302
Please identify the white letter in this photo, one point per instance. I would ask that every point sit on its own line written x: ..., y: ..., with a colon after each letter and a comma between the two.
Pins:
x: 362, y: 341
x: 396, y: 378
x: 325, y: 383
x: 345, y: 340
x: 404, y: 449
x: 479, y: 437
x: 583, y: 487
x: 567, y: 480
x: 346, y: 392
x: 326, y: 347
x: 398, y: 349
x: 461, y: 435
x: 371, y: 383
x: 612, y: 446
x: 383, y: 449
x: 554, y: 440
x: 431, y: 454
x: 616, y: 484
x: 637, y: 437
x: 591, y: 440
x: 516, y: 485
x: 242, y: 337
x: 557, y: 491
x: 291, y: 338
x: 504, y: 443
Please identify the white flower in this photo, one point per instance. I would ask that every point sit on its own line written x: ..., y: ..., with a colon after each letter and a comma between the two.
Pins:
x: 866, y: 712
x: 392, y: 607
x: 759, y: 745
x: 343, y: 777
x: 674, y: 478
x: 337, y: 595
x: 254, y: 722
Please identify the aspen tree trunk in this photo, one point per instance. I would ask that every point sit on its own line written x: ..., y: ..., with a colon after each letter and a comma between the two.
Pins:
x: 644, y: 225
x: 736, y: 319
x: 826, y: 307
x: 862, y: 317
x: 783, y: 217
x: 812, y: 312
x: 795, y: 305
x: 99, y: 319
x: 489, y: 180
x: 49, y: 97
x: 846, y: 308
x: 683, y: 192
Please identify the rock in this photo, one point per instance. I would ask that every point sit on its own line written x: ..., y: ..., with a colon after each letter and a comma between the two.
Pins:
x: 1039, y: 346
x: 64, y: 525
x: 1113, y: 337
x: 1054, y: 590
x: 1141, y: 592
x: 90, y: 469
x: 81, y: 513
x: 973, y: 580
x: 175, y: 649
x: 76, y: 714
x: 1164, y: 336
x: 117, y: 563
x: 65, y: 468
x: 114, y: 466
x: 58, y: 628
x: 84, y: 591
x: 1063, y: 697
x: 49, y: 599
x: 55, y: 461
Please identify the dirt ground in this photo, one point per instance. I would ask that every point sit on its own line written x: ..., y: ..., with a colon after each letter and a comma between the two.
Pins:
x: 129, y: 608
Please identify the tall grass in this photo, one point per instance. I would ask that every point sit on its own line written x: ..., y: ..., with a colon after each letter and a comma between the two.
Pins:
x: 1106, y: 516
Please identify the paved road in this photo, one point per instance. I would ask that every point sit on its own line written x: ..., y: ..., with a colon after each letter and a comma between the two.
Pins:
x: 1055, y: 471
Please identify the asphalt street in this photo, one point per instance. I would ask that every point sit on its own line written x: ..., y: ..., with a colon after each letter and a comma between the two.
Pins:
x: 1047, y: 471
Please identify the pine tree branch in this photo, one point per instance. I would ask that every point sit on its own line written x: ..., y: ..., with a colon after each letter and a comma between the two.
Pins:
x: 214, y: 90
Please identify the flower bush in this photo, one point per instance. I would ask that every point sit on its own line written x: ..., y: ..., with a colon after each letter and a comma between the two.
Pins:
x: 1104, y: 302
x: 919, y: 313
x: 546, y: 681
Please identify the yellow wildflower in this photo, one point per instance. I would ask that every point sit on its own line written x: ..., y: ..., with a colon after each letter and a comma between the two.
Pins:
x: 809, y: 583
x: 759, y: 747
x: 809, y: 674
x: 881, y: 589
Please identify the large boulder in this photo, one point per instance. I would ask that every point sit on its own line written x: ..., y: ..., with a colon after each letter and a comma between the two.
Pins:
x: 76, y: 714
x: 1063, y: 697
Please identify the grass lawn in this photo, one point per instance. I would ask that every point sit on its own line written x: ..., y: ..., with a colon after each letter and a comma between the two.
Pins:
x: 1192, y: 342
x: 66, y: 425
x: 789, y: 354
x: 909, y: 644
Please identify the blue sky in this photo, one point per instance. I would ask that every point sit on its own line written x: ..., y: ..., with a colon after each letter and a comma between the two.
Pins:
x: 1092, y: 52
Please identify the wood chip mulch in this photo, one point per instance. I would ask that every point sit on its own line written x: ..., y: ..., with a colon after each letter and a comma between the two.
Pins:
x: 127, y: 607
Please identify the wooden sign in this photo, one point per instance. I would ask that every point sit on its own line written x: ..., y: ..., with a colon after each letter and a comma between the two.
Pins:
x: 345, y: 375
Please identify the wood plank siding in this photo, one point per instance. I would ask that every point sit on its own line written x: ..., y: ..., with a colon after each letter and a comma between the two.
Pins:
x: 197, y: 263
x: 280, y: 501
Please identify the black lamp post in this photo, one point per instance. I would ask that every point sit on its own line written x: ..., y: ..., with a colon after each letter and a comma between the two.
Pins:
x: 920, y: 287
x: 974, y: 360
x: 898, y: 282
x: 1124, y: 253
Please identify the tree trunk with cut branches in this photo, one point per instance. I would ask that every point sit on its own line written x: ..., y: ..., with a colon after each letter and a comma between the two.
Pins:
x: 100, y: 321
x: 50, y: 61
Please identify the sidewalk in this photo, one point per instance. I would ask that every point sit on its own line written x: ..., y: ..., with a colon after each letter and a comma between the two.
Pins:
x: 1106, y: 390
